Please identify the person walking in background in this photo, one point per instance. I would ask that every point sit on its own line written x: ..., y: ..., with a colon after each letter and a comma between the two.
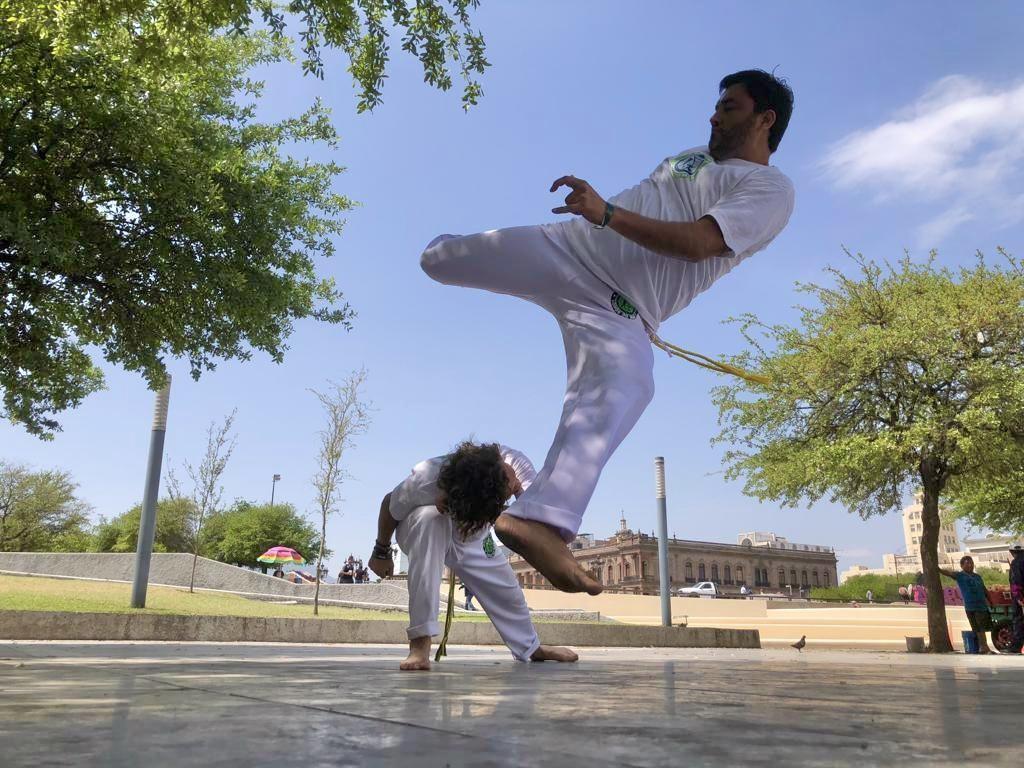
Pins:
x: 870, y: 596
x: 469, y: 597
x: 1017, y: 595
x: 976, y: 600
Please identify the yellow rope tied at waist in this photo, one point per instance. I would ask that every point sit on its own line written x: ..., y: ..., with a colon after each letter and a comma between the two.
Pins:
x: 442, y: 649
x: 704, y: 361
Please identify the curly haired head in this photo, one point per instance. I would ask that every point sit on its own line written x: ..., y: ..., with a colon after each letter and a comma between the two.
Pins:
x: 474, y: 486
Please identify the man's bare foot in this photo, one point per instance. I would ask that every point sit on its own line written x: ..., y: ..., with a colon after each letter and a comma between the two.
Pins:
x: 419, y: 655
x: 544, y: 549
x: 554, y: 653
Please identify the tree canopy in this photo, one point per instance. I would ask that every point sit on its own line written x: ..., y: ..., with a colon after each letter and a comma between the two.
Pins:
x: 39, y: 511
x: 173, y: 529
x: 904, y: 376
x: 145, y: 212
x: 245, y: 531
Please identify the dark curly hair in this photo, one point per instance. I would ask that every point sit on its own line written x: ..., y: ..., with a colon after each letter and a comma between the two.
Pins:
x: 474, y: 486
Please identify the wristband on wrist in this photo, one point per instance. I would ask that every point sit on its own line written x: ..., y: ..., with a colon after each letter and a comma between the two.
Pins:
x: 609, y: 211
x: 381, y: 551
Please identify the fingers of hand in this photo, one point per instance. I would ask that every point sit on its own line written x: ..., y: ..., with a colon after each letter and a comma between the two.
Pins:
x: 568, y: 181
x: 576, y: 209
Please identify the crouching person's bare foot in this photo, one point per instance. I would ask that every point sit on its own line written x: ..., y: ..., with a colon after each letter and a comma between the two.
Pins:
x: 419, y: 655
x: 554, y: 653
x: 543, y: 548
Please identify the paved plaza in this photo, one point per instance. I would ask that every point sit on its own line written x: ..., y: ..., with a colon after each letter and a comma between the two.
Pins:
x: 163, y: 704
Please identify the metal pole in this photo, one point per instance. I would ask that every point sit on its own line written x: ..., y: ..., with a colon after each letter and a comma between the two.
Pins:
x: 273, y: 485
x: 659, y: 492
x: 147, y: 522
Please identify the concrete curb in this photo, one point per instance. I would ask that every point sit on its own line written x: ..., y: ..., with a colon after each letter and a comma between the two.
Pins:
x: 64, y: 625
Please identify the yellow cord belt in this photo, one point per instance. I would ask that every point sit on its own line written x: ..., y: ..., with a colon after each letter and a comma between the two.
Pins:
x: 704, y: 361
x: 442, y: 649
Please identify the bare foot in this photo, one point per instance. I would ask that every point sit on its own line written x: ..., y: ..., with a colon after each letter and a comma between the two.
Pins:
x: 544, y: 549
x: 419, y: 655
x: 554, y: 653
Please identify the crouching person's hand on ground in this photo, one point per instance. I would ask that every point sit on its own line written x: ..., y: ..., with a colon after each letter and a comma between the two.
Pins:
x: 554, y: 653
x: 383, y: 567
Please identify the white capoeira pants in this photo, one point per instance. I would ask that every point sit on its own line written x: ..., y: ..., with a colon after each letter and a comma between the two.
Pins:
x: 429, y: 540
x: 608, y: 358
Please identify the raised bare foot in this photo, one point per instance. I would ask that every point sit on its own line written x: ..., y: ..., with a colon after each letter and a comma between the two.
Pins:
x: 419, y: 656
x: 544, y: 549
x: 554, y: 653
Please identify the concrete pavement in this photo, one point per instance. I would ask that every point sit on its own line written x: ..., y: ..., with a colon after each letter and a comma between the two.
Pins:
x: 161, y: 704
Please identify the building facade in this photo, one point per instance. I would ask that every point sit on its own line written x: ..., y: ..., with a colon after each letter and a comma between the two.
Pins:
x: 988, y: 552
x: 628, y: 562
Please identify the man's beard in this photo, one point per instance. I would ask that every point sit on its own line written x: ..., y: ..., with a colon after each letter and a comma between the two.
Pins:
x: 726, y: 144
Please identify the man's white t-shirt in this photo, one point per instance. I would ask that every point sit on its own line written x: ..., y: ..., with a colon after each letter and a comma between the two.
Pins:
x: 751, y: 203
x: 419, y: 489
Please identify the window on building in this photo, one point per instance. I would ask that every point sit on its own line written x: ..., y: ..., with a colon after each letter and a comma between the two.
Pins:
x: 689, y: 572
x: 701, y: 572
x: 610, y: 574
x: 764, y: 577
x: 739, y: 574
x: 792, y: 577
x: 627, y: 570
x: 803, y: 579
x: 814, y: 576
x: 714, y: 571
x: 728, y: 575
x: 782, y: 577
x: 828, y: 579
x: 645, y: 571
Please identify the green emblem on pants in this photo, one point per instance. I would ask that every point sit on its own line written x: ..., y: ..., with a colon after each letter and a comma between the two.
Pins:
x: 623, y: 306
x: 489, y: 548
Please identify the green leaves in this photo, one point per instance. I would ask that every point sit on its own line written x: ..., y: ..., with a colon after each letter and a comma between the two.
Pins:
x: 895, y: 371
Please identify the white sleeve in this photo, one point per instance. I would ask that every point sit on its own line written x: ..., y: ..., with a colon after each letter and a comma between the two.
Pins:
x: 520, y: 464
x: 753, y: 212
x: 419, y: 489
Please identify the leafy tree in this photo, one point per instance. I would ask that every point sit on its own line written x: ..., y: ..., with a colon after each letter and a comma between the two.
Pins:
x: 345, y: 417
x: 902, y: 377
x: 246, y: 530
x: 39, y: 511
x: 144, y: 213
x: 174, y: 531
x: 438, y: 33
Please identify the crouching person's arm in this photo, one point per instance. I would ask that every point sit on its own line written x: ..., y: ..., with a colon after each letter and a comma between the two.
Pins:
x: 381, y: 562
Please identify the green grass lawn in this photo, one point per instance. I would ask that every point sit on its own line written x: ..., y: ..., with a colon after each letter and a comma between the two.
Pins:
x: 31, y: 593
x: 34, y: 593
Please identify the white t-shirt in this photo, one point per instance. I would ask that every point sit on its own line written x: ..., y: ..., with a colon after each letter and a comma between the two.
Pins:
x: 419, y: 489
x: 751, y: 203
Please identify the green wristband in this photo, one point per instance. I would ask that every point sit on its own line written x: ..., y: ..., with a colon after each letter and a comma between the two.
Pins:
x: 609, y: 211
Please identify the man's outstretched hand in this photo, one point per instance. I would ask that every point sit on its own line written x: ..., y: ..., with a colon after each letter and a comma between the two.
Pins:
x: 385, y: 568
x: 582, y: 201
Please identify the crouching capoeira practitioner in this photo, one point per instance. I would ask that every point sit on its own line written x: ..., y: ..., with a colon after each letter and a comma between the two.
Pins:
x: 443, y: 513
x: 610, y: 277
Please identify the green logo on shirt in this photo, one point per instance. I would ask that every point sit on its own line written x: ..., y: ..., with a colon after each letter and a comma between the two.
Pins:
x: 688, y: 165
x: 623, y: 306
x: 489, y: 548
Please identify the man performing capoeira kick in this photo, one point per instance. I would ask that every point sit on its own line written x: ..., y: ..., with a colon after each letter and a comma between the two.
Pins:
x: 443, y: 513
x: 610, y: 277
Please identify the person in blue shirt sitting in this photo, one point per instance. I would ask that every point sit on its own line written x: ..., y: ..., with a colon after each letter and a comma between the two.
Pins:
x: 976, y: 600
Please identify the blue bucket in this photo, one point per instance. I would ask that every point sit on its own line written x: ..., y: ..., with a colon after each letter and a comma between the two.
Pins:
x: 970, y: 642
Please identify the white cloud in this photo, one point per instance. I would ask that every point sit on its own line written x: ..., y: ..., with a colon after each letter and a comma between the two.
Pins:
x: 959, y: 147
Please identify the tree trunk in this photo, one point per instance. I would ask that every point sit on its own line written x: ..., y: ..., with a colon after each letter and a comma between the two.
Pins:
x: 192, y: 580
x: 938, y: 630
x: 319, y: 564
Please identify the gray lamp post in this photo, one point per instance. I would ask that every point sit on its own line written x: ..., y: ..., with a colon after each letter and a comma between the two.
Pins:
x: 659, y: 492
x: 273, y: 486
x: 147, y: 521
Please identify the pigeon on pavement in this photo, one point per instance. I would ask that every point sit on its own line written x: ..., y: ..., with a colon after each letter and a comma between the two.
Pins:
x: 799, y: 644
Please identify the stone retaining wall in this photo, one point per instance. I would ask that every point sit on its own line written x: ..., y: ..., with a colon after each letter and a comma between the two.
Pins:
x: 174, y: 569
x: 58, y: 625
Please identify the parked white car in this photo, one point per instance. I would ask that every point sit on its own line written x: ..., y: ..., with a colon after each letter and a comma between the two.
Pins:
x: 702, y: 589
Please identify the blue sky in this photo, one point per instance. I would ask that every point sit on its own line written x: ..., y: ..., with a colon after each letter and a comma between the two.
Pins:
x: 907, y: 134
